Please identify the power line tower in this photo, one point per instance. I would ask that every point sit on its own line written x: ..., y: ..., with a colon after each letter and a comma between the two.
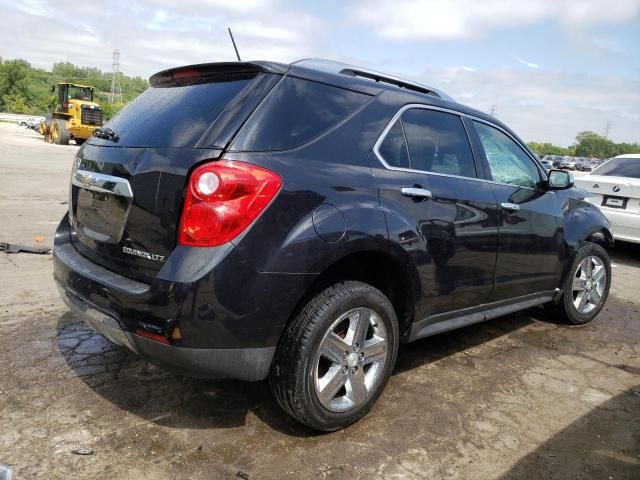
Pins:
x: 116, y: 89
x: 607, y: 127
x: 492, y: 110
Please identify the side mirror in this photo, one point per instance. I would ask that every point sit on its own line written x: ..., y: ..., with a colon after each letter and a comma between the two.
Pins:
x: 53, y: 88
x: 559, y: 180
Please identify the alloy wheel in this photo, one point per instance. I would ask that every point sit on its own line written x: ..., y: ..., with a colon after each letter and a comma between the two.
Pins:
x: 589, y: 282
x: 350, y: 361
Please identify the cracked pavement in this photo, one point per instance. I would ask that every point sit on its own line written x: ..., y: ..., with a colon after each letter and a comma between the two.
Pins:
x: 517, y: 397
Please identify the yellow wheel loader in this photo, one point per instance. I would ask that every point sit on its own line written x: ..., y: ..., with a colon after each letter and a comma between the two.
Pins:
x: 75, y: 117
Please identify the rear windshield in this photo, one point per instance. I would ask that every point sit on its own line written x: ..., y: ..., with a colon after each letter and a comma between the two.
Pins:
x: 620, y: 167
x: 296, y: 111
x: 174, y: 116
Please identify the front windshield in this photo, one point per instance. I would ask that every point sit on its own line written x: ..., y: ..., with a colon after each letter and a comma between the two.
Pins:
x: 620, y: 167
x: 80, y: 93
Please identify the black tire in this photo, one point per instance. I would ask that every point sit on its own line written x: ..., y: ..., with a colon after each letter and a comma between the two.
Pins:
x: 292, y: 376
x: 63, y: 132
x: 565, y: 309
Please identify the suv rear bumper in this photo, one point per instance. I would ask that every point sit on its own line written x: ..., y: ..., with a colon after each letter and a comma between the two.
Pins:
x: 221, y: 337
x: 241, y: 363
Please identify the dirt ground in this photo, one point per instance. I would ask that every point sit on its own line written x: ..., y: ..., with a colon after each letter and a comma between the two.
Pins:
x: 518, y: 397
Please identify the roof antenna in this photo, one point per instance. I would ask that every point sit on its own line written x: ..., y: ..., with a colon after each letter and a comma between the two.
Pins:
x: 234, y: 44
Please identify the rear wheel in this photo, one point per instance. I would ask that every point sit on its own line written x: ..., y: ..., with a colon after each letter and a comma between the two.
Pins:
x: 586, y: 289
x: 336, y: 356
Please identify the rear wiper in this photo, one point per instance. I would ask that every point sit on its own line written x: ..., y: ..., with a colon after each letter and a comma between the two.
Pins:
x: 106, y: 133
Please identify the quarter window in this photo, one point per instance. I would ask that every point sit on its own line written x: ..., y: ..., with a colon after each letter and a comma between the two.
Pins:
x: 295, y: 112
x: 394, y: 147
x: 429, y: 141
x: 508, y: 163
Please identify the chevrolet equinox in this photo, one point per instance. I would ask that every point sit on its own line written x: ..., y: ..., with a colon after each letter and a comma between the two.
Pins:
x: 257, y: 220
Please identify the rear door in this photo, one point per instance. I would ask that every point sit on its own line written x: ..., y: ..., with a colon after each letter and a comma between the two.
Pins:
x: 530, y: 220
x: 437, y: 208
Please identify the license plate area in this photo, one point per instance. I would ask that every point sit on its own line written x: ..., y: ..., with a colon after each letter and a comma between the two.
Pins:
x: 101, y: 205
x: 614, y: 202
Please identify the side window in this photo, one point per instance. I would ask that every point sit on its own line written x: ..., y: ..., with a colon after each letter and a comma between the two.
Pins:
x: 438, y: 142
x: 508, y: 163
x: 394, y: 147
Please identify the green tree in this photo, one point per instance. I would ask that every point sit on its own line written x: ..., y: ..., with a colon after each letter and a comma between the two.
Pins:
x: 24, y: 89
x: 14, y: 83
x: 16, y: 103
x: 548, y: 149
x: 109, y: 110
x: 590, y: 144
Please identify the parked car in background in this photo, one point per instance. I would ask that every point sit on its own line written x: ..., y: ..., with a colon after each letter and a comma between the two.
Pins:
x: 568, y: 163
x: 34, y: 122
x: 547, y: 164
x: 583, y: 164
x: 298, y: 222
x: 615, y: 188
x: 593, y: 164
x: 554, y: 159
x: 30, y: 122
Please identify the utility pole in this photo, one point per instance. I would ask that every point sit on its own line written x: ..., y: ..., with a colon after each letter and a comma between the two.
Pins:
x: 607, y: 127
x: 116, y: 88
x: 492, y: 110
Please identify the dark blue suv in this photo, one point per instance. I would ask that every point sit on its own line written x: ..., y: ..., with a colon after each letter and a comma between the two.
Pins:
x: 299, y: 222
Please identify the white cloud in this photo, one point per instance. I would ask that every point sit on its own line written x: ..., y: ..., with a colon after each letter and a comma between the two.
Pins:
x: 445, y: 19
x: 547, y: 105
x: 155, y: 34
x: 527, y: 64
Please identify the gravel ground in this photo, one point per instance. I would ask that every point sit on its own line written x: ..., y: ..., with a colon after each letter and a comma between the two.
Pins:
x: 518, y: 397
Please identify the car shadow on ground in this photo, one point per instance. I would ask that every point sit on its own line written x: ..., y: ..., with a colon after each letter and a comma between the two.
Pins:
x: 592, y: 446
x: 626, y: 253
x: 141, y: 388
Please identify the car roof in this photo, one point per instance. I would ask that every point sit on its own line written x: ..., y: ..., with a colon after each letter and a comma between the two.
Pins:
x: 334, y: 67
x: 629, y: 155
x: 403, y: 91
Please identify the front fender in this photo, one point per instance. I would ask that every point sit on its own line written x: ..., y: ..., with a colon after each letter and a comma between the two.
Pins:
x: 582, y: 220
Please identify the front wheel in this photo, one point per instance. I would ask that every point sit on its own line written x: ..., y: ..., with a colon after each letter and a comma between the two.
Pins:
x: 336, y: 356
x: 586, y: 288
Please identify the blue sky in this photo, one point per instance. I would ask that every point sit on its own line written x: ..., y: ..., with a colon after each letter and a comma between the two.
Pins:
x: 550, y: 67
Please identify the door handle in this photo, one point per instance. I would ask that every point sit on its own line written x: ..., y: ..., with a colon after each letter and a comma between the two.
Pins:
x: 514, y: 207
x: 414, y: 192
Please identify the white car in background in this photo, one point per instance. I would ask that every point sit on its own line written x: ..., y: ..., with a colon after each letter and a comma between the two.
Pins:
x: 615, y: 188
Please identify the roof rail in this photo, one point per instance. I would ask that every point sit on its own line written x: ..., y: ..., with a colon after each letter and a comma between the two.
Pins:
x: 344, y: 69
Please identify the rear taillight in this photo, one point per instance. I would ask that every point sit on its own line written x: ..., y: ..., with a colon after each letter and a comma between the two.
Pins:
x: 223, y: 198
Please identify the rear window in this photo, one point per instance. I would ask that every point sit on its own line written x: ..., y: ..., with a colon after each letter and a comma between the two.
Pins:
x: 295, y: 112
x: 620, y: 167
x: 174, y: 116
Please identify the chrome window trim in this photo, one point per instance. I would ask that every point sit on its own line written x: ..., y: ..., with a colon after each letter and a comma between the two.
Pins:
x: 409, y: 106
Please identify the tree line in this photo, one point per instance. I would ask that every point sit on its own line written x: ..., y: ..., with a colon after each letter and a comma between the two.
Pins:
x: 26, y: 89
x: 588, y: 144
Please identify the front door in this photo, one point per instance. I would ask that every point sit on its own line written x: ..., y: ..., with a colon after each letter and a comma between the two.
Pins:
x: 530, y: 225
x: 438, y: 208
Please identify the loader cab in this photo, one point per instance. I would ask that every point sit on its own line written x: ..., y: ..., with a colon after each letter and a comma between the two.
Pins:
x: 69, y: 91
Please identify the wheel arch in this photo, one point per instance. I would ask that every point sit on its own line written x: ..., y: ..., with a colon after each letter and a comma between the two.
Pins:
x: 380, y: 268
